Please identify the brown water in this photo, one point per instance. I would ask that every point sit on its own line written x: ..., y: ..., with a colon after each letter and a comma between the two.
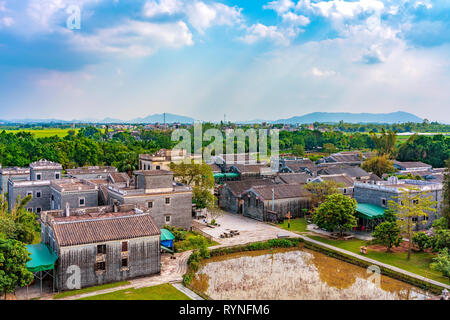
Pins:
x: 299, y: 274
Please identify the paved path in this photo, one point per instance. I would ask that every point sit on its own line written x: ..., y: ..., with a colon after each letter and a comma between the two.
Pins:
x: 375, y: 262
x: 191, y: 294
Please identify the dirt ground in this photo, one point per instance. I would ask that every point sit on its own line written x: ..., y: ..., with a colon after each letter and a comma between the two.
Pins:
x: 402, y: 248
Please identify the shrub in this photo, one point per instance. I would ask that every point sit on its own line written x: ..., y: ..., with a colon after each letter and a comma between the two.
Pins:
x: 421, y: 240
x: 204, y: 253
x: 213, y: 222
x: 442, y: 262
x: 440, y: 240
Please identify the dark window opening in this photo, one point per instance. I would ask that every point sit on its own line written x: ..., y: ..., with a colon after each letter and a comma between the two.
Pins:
x: 150, y: 204
x: 168, y: 219
x: 167, y: 200
x: 38, y: 176
x: 125, y: 263
x: 100, y: 266
x: 81, y: 201
x: 38, y: 194
x: 124, y: 246
x: 158, y: 167
x: 38, y: 210
x: 101, y: 249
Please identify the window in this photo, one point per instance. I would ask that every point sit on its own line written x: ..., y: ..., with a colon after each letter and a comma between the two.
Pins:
x: 30, y: 209
x: 38, y: 176
x: 257, y: 202
x: 167, y: 200
x: 124, y: 246
x: 416, y: 201
x: 415, y: 219
x: 100, y: 266
x: 101, y: 249
x: 53, y: 197
x: 345, y: 191
x: 57, y: 175
x: 158, y: 167
x: 29, y: 193
x: 150, y: 204
x: 82, y: 202
x: 168, y: 219
x: 38, y: 194
x: 125, y: 263
x: 38, y: 210
x: 383, y: 202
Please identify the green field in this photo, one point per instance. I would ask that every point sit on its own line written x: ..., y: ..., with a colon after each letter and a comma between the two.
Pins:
x: 44, y: 133
x: 161, y: 292
x: 297, y: 225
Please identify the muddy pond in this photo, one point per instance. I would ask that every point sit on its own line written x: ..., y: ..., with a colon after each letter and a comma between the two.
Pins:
x: 295, y: 274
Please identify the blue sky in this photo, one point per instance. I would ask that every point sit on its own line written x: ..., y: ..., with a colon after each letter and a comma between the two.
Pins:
x: 249, y: 59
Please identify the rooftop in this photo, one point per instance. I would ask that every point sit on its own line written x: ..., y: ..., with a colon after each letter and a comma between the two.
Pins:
x: 153, y: 172
x: 281, y: 191
x: 294, y: 178
x: 411, y: 164
x: 339, y: 178
x: 239, y: 187
x: 92, y: 169
x: 66, y: 185
x: 15, y: 171
x: 45, y: 164
x: 77, y: 230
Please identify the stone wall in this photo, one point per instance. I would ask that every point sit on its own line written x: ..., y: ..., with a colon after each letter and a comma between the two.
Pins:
x: 144, y: 259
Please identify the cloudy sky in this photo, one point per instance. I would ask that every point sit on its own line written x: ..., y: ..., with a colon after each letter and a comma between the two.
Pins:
x: 248, y: 59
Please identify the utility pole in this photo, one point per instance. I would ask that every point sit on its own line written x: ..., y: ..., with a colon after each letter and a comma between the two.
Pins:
x: 164, y: 118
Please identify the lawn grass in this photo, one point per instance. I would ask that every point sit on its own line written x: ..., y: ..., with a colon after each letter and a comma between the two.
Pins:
x: 418, y: 264
x: 297, y: 225
x: 160, y: 292
x: 90, y: 289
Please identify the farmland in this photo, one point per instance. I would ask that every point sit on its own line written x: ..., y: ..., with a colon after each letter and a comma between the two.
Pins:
x: 45, y: 133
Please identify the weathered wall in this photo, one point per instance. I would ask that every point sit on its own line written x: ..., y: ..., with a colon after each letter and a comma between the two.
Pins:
x: 42, y: 202
x: 144, y: 259
x: 45, y: 174
x: 180, y: 207
x: 61, y: 198
x: 227, y: 200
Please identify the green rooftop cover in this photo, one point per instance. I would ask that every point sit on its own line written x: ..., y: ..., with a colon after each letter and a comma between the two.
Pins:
x: 369, y: 211
x: 42, y: 257
x: 231, y: 175
x: 219, y: 175
x: 166, y: 235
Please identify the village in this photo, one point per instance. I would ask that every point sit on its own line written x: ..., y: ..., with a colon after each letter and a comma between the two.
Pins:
x: 103, y: 231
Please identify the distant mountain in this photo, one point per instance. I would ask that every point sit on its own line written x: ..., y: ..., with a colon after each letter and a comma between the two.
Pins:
x: 170, y: 118
x: 335, y: 117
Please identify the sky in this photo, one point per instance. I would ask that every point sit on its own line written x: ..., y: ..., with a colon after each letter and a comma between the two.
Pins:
x: 248, y: 59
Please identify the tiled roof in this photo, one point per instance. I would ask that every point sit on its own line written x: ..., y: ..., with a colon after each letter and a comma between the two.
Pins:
x: 215, y: 168
x: 294, y: 178
x: 339, y: 178
x: 238, y: 187
x: 119, y: 177
x: 354, y: 172
x: 249, y: 168
x: 411, y: 164
x: 92, y: 169
x: 282, y: 191
x: 70, y: 231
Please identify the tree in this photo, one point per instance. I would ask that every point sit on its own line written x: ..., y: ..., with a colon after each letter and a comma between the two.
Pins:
x: 440, y: 240
x: 13, y: 270
x: 201, y: 178
x: 385, y: 142
x: 388, y: 234
x: 18, y: 224
x: 329, y: 148
x: 445, y: 213
x: 336, y: 213
x: 379, y: 165
x: 298, y: 150
x: 321, y: 190
x: 441, y: 263
x: 412, y: 204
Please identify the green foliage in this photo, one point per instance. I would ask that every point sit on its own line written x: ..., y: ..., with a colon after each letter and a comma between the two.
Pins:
x: 13, y: 270
x: 179, y: 233
x: 440, y: 240
x: 387, y: 234
x: 390, y: 215
x: 434, y: 150
x: 446, y: 197
x: 421, y: 240
x: 379, y: 165
x: 385, y: 142
x: 442, y: 262
x: 321, y: 190
x: 336, y: 213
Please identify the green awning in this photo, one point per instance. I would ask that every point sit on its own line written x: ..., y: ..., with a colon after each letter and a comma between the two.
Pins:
x: 166, y: 235
x: 42, y: 258
x: 226, y: 175
x: 369, y: 211
x: 218, y: 175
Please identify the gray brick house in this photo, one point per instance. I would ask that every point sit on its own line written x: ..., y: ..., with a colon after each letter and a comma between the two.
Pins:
x: 39, y: 190
x: 101, y: 244
x: 260, y: 201
x: 379, y: 193
x: 168, y: 202
x: 77, y: 193
x: 13, y: 173
x: 91, y: 172
x: 45, y: 170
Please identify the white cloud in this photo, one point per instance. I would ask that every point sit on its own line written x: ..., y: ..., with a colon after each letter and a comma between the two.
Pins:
x: 316, y: 72
x: 6, y: 21
x: 294, y: 19
x: 280, y: 6
x: 154, y: 8
x: 258, y: 32
x: 136, y: 38
x: 339, y: 9
x: 203, y: 16
x: 2, y: 6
